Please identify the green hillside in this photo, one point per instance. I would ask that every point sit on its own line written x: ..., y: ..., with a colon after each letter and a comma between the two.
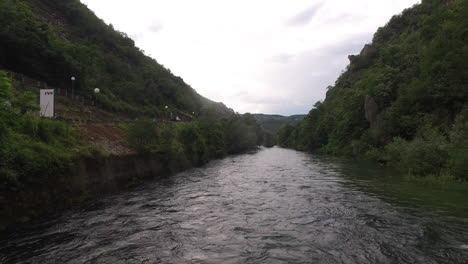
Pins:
x: 52, y: 40
x: 404, y: 99
x: 272, y: 123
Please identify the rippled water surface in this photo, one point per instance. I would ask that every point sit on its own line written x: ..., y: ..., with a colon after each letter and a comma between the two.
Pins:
x: 274, y: 206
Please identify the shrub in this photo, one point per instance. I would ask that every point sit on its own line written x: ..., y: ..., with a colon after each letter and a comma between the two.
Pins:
x: 194, y: 144
x: 394, y: 150
x: 31, y: 148
x: 421, y: 156
x: 424, y: 157
x: 374, y: 154
x: 459, y: 163
x: 26, y: 102
x: 143, y: 136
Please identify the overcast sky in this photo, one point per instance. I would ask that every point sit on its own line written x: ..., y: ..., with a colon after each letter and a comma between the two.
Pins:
x: 258, y: 56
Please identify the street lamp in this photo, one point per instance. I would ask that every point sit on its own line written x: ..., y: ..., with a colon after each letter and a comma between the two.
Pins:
x: 72, y: 81
x: 96, y: 91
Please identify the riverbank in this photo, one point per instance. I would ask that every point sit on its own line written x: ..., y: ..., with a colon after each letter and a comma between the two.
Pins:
x: 115, y: 159
x: 89, y: 178
x: 378, y: 158
x: 143, y: 151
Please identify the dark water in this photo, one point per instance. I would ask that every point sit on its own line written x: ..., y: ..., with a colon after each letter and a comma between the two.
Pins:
x: 275, y: 206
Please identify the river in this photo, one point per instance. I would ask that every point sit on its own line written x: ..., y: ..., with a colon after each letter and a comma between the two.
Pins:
x: 272, y: 206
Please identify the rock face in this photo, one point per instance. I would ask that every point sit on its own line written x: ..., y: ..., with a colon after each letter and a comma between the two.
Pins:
x: 371, y: 109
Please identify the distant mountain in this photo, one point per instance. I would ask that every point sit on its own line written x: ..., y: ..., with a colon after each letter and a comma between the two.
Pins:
x: 272, y: 123
x: 53, y: 40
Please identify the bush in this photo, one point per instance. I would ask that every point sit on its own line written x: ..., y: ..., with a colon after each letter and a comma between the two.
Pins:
x: 459, y: 146
x: 194, y: 144
x: 421, y: 156
x: 394, y: 150
x: 424, y: 157
x: 31, y: 148
x: 143, y: 135
x: 374, y: 154
x: 459, y: 163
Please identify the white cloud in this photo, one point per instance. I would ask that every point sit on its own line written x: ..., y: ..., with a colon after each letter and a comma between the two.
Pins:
x: 156, y: 26
x: 304, y: 17
x: 243, y: 53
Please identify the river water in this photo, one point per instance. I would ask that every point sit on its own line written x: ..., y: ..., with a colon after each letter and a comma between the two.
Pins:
x: 272, y: 206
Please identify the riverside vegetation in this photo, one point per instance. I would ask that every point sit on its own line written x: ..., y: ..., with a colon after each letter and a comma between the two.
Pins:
x: 403, y: 99
x: 37, y: 152
x: 53, y: 40
x: 195, y: 143
x: 33, y: 148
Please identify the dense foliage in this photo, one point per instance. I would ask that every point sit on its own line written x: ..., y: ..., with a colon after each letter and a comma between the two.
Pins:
x: 272, y: 123
x: 403, y: 99
x: 52, y: 40
x: 31, y: 148
x: 195, y: 143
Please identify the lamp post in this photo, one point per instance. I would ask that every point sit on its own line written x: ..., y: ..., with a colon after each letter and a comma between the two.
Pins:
x: 166, y: 107
x: 96, y: 91
x: 72, y: 84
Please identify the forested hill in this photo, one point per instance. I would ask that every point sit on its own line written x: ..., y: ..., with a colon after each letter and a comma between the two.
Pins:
x: 403, y: 99
x: 272, y: 123
x: 52, y: 40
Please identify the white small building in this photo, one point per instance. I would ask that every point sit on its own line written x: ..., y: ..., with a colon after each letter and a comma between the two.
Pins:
x: 47, y: 102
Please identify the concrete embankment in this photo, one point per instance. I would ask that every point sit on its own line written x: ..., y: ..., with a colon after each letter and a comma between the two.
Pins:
x: 87, y: 179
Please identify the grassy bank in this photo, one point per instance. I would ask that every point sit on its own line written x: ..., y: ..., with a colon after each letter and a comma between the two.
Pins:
x: 31, y: 148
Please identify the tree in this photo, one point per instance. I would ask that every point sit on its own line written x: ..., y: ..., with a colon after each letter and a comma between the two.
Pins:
x: 143, y: 136
x: 5, y: 88
x: 26, y: 102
